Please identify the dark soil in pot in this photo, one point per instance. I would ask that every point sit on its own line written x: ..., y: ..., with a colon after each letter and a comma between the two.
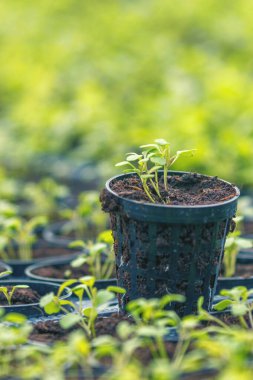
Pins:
x: 63, y: 272
x: 26, y: 301
x: 21, y: 297
x: 189, y: 189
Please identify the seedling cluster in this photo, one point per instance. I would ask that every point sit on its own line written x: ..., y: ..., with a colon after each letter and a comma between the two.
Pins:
x: 147, y: 164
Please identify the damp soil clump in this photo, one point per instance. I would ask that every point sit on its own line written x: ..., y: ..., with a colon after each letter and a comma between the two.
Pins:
x: 20, y: 296
x: 188, y: 189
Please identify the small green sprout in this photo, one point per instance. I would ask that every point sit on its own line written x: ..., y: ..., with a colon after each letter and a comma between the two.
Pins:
x: 8, y: 293
x: 82, y: 312
x: 147, y: 164
x: 99, y: 256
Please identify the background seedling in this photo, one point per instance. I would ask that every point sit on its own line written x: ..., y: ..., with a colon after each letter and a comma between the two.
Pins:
x: 8, y: 292
x: 99, y: 256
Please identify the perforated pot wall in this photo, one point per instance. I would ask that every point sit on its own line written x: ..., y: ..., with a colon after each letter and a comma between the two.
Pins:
x: 169, y: 249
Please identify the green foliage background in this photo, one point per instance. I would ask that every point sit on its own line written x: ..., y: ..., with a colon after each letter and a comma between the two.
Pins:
x: 92, y: 79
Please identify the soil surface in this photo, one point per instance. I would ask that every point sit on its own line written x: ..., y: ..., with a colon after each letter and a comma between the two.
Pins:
x: 47, y: 252
x: 20, y: 296
x: 188, y: 189
x: 63, y: 271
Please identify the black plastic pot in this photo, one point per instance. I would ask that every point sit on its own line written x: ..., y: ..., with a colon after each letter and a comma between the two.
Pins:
x: 19, y: 266
x: 100, y: 284
x: 3, y: 268
x: 163, y: 249
x: 34, y: 309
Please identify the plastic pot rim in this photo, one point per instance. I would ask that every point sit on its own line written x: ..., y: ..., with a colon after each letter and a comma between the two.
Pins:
x: 162, y: 206
x: 30, y: 268
x: 6, y: 267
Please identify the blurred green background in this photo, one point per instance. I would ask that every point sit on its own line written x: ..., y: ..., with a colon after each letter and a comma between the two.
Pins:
x: 83, y: 82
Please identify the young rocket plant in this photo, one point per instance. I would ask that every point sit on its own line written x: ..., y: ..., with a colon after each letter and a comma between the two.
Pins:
x: 85, y: 311
x: 8, y: 293
x: 147, y: 165
x: 99, y: 256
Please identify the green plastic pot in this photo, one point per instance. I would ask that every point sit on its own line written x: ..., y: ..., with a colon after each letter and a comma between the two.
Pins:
x: 162, y: 249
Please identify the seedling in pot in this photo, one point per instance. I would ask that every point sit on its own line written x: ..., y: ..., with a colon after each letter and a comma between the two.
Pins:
x: 82, y: 314
x: 99, y: 256
x: 232, y: 246
x: 147, y: 164
x: 85, y: 216
x: 8, y: 293
x: 17, y: 237
x: 239, y: 301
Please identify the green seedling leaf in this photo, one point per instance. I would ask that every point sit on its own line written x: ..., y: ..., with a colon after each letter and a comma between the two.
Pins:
x: 123, y: 163
x: 15, y: 318
x: 78, y: 262
x: 222, y: 305
x: 106, y: 237
x: 87, y: 280
x: 134, y: 157
x: 5, y: 273
x: 151, y: 331
x: 65, y: 285
x: 21, y: 286
x: 116, y: 289
x: 90, y: 313
x: 50, y: 303
x: 77, y: 244
x: 149, y: 146
x: 168, y: 298
x: 70, y: 320
x: 158, y: 160
x: 162, y: 142
x: 239, y: 309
